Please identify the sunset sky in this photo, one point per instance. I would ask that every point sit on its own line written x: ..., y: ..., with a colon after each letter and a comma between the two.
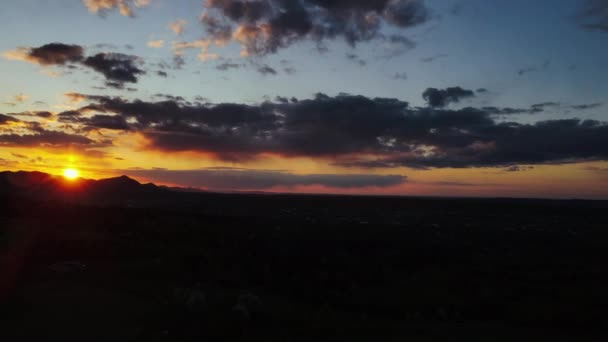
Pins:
x: 400, y: 97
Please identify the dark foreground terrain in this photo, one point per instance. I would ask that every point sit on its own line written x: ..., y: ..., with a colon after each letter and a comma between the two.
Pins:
x: 131, y: 262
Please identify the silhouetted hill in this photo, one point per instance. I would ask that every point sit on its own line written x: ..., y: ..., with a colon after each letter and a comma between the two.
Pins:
x: 43, y: 187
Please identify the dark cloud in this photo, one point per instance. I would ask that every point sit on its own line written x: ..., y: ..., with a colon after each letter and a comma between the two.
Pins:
x: 586, y: 106
x: 266, y: 70
x: 18, y: 155
x: 355, y: 58
x: 594, y: 15
x: 433, y: 58
x: 117, y: 68
x: 402, y: 76
x: 178, y: 62
x: 43, y: 114
x: 44, y: 138
x: 518, y: 168
x: 68, y: 116
x: 171, y: 97
x: 264, y: 26
x: 540, y: 107
x: 97, y: 121
x: 239, y: 179
x: 357, y: 131
x: 503, y: 144
x: 227, y: 66
x: 290, y: 70
x: 113, y: 122
x: 442, y: 97
x: 395, y: 45
x: 51, y: 54
x: 527, y: 70
x: 482, y: 91
x: 4, y: 119
x: 40, y: 114
x: 457, y: 8
x: 507, y: 110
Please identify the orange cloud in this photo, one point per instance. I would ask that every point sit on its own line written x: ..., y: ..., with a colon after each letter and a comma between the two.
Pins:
x: 20, y: 54
x: 178, y: 26
x: 125, y: 7
x: 75, y: 98
x: 157, y: 44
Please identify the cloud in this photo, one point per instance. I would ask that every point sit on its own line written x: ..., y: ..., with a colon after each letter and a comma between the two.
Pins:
x: 20, y: 98
x: 527, y: 70
x: 395, y: 45
x: 17, y: 155
x: 245, y: 179
x: 433, y: 58
x: 227, y: 66
x: 540, y: 108
x: 518, y: 168
x: 355, y: 58
x: 117, y: 68
x: 125, y: 7
x: 265, y: 26
x: 357, y: 131
x: 180, y: 47
x: 587, y: 106
x: 49, y: 54
x: 594, y: 15
x: 156, y: 44
x: 266, y: 70
x: 206, y: 56
x: 97, y: 121
x: 113, y: 122
x: 178, y: 26
x: 596, y: 169
x: 40, y: 114
x: 504, y: 144
x: 442, y: 97
x: 4, y: 119
x: 44, y: 138
x: 5, y: 163
x: 402, y: 76
x: 34, y: 134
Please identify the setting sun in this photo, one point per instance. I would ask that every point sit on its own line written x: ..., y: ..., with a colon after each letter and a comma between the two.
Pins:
x: 71, y: 173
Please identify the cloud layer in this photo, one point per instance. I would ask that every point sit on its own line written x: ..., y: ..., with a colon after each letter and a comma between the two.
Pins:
x: 238, y: 179
x: 352, y: 131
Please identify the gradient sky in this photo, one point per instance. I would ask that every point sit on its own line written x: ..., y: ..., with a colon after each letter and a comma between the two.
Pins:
x: 401, y: 97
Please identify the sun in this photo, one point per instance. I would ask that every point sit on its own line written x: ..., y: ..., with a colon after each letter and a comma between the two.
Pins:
x: 71, y: 174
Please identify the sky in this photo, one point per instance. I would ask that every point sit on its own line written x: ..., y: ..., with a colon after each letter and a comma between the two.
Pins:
x: 388, y: 97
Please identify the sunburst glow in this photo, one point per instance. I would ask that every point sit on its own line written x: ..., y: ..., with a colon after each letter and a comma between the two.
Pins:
x: 71, y: 173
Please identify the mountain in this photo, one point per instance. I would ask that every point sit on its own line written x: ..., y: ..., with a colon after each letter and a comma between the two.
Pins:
x: 42, y: 187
